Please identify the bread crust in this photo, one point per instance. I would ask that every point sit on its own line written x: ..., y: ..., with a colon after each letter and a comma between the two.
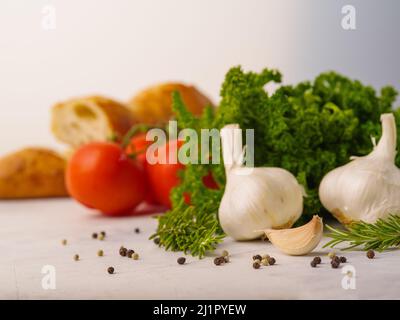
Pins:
x: 32, y: 173
x: 118, y: 116
x: 154, y: 104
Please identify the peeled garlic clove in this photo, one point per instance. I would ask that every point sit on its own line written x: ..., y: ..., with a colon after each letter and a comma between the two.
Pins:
x: 297, y: 241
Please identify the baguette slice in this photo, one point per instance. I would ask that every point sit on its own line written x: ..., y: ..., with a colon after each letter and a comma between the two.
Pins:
x: 82, y: 120
x: 32, y: 173
x: 154, y: 104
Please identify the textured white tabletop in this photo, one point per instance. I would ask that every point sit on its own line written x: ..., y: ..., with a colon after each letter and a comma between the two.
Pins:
x: 31, y: 234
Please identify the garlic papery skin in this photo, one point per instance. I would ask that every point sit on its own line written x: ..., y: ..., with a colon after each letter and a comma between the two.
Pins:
x: 255, y: 198
x: 367, y: 188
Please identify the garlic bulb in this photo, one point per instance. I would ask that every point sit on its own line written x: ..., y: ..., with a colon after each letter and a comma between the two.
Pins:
x: 368, y: 187
x: 255, y: 198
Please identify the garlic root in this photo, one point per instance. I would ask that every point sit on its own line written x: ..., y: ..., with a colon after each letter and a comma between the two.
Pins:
x: 297, y: 241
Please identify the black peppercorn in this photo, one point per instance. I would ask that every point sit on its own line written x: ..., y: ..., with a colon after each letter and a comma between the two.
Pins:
x: 343, y: 259
x: 123, y: 251
x: 271, y: 261
x: 129, y: 253
x: 110, y: 270
x: 313, y: 263
x: 336, y: 259
x: 218, y: 261
x: 103, y: 233
x: 156, y: 241
x: 335, y: 264
x: 94, y: 235
x: 181, y: 260
x: 256, y: 265
x: 257, y: 257
x: 370, y: 254
x: 137, y: 230
x: 317, y: 260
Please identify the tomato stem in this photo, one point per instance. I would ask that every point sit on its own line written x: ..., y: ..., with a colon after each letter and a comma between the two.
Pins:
x: 141, y: 127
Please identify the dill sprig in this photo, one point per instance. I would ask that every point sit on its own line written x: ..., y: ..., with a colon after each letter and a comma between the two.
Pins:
x: 381, y: 235
x: 191, y: 229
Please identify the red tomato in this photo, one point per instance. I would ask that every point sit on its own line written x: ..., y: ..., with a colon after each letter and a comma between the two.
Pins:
x: 209, y: 181
x: 138, y: 147
x: 163, y: 177
x: 101, y: 176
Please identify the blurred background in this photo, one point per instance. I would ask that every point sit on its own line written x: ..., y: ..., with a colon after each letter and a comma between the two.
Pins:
x: 117, y: 47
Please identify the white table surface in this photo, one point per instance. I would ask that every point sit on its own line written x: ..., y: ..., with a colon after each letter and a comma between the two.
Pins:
x: 31, y: 234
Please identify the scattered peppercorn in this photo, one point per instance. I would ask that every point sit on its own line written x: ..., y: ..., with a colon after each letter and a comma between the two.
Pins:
x: 370, y: 254
x: 101, y: 237
x: 256, y: 265
x: 129, y: 253
x: 181, y: 260
x: 110, y: 270
x: 94, y: 235
x: 335, y: 264
x: 317, y: 260
x: 156, y: 241
x: 100, y: 253
x: 264, y: 262
x: 257, y: 257
x: 314, y: 263
x: 76, y: 257
x: 218, y: 261
x: 103, y: 233
x: 331, y: 254
x: 137, y: 230
x: 64, y: 242
x: 336, y: 259
x: 343, y: 259
x: 265, y: 256
x: 225, y: 253
x: 271, y: 261
x: 123, y: 251
x: 135, y: 256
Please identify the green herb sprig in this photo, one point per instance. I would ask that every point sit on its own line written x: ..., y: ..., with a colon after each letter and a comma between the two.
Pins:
x: 193, y: 228
x: 381, y: 235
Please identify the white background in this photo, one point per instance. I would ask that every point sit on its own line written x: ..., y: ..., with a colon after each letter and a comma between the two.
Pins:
x: 116, y: 47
